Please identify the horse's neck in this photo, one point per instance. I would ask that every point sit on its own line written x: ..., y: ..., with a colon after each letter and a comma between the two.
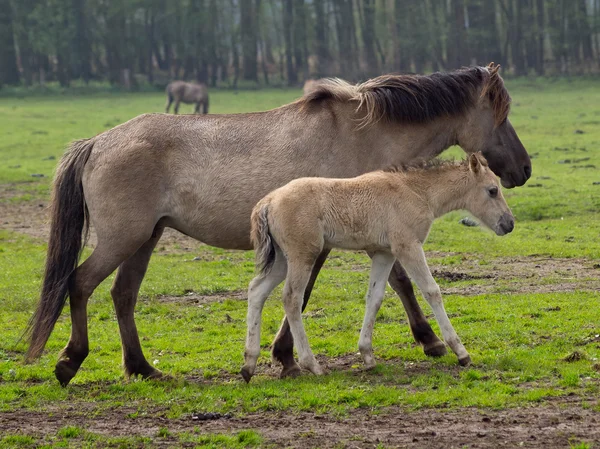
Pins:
x: 405, y: 142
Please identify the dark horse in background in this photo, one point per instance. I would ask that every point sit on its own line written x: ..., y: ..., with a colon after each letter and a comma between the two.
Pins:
x: 190, y: 93
x: 202, y: 175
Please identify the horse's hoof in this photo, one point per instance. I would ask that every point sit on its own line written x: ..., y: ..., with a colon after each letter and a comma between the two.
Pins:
x: 245, y: 372
x: 64, y: 372
x: 465, y: 361
x: 290, y: 371
x: 436, y: 349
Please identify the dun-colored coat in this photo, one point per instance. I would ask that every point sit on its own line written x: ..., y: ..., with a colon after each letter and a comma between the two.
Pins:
x: 190, y: 93
x: 203, y: 174
x: 387, y: 213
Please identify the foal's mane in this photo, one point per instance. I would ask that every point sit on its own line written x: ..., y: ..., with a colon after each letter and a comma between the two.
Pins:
x: 418, y: 98
x: 433, y: 164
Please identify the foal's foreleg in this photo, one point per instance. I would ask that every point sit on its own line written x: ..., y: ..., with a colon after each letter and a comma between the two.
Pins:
x: 283, y: 346
x: 380, y: 270
x: 124, y: 293
x: 419, y: 326
x: 414, y: 261
x: 259, y: 290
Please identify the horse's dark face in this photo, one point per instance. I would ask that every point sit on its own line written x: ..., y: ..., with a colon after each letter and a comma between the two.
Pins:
x: 500, y: 145
x: 507, y: 156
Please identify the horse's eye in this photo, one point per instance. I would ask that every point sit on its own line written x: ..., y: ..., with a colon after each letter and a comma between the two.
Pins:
x: 493, y: 192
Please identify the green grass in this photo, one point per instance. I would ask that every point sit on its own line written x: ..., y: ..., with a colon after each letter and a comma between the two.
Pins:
x: 519, y: 341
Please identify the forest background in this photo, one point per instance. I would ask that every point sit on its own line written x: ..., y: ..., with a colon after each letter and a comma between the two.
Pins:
x: 138, y: 44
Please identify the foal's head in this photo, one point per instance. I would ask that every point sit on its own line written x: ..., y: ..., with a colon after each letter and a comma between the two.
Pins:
x: 484, y: 198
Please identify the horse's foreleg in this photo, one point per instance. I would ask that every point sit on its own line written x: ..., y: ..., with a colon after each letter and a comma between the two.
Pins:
x: 380, y: 270
x: 283, y: 346
x: 124, y: 293
x: 258, y: 291
x: 416, y: 265
x: 421, y: 330
x: 169, y: 102
x: 297, y: 279
x: 101, y: 263
x: 176, y: 107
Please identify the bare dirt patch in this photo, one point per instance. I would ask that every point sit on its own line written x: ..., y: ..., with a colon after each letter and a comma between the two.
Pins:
x: 555, y: 423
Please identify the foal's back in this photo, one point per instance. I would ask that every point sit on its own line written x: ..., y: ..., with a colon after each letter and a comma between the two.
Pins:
x: 355, y: 213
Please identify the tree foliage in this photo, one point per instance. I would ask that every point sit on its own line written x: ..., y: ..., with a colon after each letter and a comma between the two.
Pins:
x: 258, y: 41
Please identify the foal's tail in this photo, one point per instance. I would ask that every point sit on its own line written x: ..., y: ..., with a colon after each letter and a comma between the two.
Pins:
x: 264, y: 245
x: 69, y: 222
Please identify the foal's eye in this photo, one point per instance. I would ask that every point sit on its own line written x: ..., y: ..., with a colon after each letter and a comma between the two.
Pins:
x: 493, y: 192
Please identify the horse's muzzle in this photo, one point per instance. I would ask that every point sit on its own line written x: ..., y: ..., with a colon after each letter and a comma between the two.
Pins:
x: 505, y: 225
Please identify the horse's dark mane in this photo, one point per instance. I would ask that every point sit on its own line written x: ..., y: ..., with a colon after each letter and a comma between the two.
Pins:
x: 419, y: 98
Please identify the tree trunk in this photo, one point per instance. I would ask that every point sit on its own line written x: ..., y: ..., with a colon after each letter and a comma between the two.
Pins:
x: 541, y: 32
x: 288, y: 21
x: 300, y: 39
x: 321, y: 47
x: 9, y: 72
x: 248, y: 23
x: 368, y: 35
x: 83, y: 49
x: 458, y: 54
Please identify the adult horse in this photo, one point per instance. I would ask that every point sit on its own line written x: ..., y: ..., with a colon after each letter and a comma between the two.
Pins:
x: 190, y: 93
x: 202, y: 175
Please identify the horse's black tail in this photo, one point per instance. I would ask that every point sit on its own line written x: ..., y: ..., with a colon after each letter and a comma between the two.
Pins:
x: 69, y: 222
x: 264, y: 245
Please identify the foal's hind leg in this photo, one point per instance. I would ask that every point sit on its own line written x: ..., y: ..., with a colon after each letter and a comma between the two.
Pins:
x: 297, y: 279
x: 103, y: 261
x: 124, y: 292
x: 421, y: 330
x: 258, y: 291
x: 283, y: 346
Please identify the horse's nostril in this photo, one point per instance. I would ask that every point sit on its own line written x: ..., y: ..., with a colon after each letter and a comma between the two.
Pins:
x: 527, y: 171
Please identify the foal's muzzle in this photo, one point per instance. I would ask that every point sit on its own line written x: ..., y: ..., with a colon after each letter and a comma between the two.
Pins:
x: 505, y: 225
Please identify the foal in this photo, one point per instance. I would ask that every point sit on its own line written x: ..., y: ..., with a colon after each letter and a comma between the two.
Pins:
x: 387, y: 213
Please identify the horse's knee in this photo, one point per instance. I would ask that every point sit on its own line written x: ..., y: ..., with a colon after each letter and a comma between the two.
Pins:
x: 432, y: 294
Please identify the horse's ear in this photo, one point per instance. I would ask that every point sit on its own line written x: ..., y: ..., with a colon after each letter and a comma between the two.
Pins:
x: 493, y: 68
x: 474, y: 163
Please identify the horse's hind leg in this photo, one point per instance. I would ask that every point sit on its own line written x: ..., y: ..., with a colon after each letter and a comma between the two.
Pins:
x: 101, y: 263
x: 169, y: 102
x: 176, y: 107
x: 283, y: 346
x: 421, y: 330
x: 124, y: 293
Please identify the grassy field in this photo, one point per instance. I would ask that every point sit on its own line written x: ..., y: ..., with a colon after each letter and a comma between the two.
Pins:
x: 526, y: 305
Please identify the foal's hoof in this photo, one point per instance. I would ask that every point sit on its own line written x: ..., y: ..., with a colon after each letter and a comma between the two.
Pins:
x: 436, y: 349
x: 290, y: 371
x: 465, y: 361
x: 64, y: 372
x: 246, y: 374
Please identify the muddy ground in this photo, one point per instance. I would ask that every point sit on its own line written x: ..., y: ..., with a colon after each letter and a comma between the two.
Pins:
x: 555, y: 423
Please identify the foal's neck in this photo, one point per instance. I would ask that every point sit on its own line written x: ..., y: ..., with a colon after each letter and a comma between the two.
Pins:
x: 444, y: 189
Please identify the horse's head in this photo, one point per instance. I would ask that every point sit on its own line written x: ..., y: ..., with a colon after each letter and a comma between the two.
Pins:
x: 487, y: 129
x: 485, y: 199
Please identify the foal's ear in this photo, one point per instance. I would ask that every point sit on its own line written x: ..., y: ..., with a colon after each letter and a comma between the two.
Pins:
x: 474, y: 163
